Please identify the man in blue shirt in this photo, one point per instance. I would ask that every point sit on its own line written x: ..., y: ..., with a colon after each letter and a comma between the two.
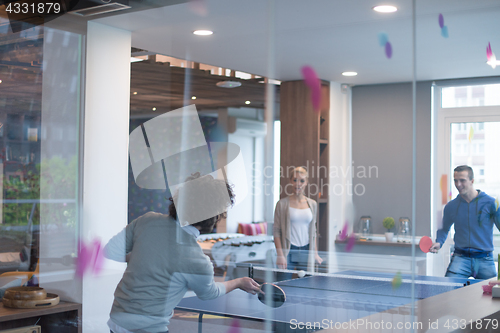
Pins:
x: 474, y: 214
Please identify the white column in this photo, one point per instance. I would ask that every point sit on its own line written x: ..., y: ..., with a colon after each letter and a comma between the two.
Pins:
x: 340, y: 145
x: 105, y: 167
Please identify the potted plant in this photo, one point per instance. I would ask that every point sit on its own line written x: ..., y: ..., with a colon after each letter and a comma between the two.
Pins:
x: 388, y: 223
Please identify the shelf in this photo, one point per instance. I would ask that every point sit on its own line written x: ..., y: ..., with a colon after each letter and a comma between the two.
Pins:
x: 299, y: 144
x: 378, y: 240
x: 21, y: 141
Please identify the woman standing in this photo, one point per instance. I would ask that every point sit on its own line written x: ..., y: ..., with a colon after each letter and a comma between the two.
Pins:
x: 295, y: 226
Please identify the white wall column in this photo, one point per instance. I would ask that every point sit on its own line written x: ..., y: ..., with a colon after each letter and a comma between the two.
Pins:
x: 105, y: 168
x: 340, y: 190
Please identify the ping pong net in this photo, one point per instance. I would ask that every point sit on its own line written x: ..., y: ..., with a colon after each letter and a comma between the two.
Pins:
x: 359, y: 282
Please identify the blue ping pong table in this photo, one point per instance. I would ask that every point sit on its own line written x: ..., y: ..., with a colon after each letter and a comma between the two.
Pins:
x: 338, y: 298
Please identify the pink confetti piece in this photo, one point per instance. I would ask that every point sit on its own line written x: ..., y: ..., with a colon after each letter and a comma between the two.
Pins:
x: 198, y: 7
x: 83, y: 260
x: 98, y: 256
x: 441, y: 21
x: 388, y: 50
x: 235, y: 327
x: 487, y: 289
x: 90, y: 258
x: 312, y: 81
x: 489, y: 53
x: 350, y: 243
x: 343, y: 234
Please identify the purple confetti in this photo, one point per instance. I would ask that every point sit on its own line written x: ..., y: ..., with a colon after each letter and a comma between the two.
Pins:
x: 388, y: 50
x: 343, y: 234
x: 83, y: 260
x: 98, y: 261
x: 312, y: 81
x: 350, y: 243
x: 90, y: 258
x: 441, y: 21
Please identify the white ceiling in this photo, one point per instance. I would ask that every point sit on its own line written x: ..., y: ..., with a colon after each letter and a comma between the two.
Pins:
x: 330, y: 35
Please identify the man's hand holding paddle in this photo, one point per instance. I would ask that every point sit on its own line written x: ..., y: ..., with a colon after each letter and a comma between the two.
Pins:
x: 435, y: 247
x: 245, y: 283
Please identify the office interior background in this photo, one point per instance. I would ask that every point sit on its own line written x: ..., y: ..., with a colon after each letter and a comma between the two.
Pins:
x: 405, y: 97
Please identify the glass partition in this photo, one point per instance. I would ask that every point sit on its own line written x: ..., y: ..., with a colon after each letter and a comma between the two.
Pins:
x: 338, y: 126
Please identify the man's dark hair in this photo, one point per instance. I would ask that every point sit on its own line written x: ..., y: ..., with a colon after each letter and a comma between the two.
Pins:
x: 467, y: 168
x: 213, y: 189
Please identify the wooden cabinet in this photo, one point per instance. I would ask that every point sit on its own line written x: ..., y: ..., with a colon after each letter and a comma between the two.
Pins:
x: 304, y: 142
x: 63, y: 318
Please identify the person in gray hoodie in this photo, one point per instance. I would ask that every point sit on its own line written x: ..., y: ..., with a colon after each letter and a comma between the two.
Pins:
x: 474, y: 213
x: 164, y: 259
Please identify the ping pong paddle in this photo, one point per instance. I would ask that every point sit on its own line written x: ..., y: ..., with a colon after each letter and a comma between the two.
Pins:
x: 425, y: 244
x: 273, y: 295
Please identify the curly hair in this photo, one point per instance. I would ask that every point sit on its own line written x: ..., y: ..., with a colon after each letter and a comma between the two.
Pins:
x: 210, y: 195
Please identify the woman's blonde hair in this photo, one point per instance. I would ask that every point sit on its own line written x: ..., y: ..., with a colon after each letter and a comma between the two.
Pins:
x: 301, y: 171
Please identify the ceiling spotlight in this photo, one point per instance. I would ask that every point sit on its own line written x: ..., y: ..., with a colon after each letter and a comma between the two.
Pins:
x: 247, y: 102
x: 349, y: 73
x: 203, y: 32
x: 154, y: 109
x: 385, y: 9
x: 0, y: 81
x: 193, y: 97
x: 135, y: 92
x: 228, y: 84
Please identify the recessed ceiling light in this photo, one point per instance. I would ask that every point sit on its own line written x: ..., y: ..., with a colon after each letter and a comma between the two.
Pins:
x: 0, y: 81
x: 247, y: 102
x: 203, y: 32
x: 385, y: 9
x: 135, y: 92
x: 154, y: 109
x: 228, y: 84
x: 193, y: 97
x: 349, y: 73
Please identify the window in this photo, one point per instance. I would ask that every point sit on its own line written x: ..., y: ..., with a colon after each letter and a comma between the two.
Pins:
x: 468, y: 96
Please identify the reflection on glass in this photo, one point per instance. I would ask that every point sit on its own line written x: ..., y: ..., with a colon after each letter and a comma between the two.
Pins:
x: 20, y: 154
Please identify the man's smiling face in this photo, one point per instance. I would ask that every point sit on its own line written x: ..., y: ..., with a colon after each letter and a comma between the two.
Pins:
x: 463, y: 184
